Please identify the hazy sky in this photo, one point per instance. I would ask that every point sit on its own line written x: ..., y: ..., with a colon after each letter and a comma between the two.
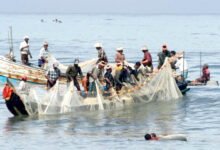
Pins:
x: 111, y: 6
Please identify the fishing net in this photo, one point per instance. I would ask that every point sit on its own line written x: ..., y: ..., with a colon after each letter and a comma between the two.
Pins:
x: 85, y: 66
x: 160, y: 86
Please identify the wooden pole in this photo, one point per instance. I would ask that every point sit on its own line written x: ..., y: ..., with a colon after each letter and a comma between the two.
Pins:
x: 200, y: 64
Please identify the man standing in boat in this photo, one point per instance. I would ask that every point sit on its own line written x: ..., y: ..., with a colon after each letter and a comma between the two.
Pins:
x: 43, y: 56
x: 53, y: 75
x: 25, y: 51
x: 72, y: 73
x: 162, y: 56
x: 101, y: 53
x: 147, y: 60
x: 119, y: 57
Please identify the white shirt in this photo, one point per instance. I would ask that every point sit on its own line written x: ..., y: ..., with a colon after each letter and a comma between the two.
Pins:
x: 23, y: 87
x: 43, y: 53
x: 181, y: 64
x: 24, y: 50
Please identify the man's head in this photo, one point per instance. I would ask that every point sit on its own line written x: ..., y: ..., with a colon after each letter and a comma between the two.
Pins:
x: 98, y: 46
x: 120, y: 49
x: 108, y: 68
x: 172, y: 53
x: 137, y: 65
x: 55, y: 65
x: 164, y: 47
x: 101, y: 64
x: 26, y: 39
x: 205, y: 66
x: 76, y: 62
x: 147, y: 137
x: 24, y: 78
x: 45, y: 45
x: 144, y: 49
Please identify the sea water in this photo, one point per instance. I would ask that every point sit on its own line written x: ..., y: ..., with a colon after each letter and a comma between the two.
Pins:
x: 196, y: 114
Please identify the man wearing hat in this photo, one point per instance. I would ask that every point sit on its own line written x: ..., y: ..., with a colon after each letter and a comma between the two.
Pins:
x: 23, y: 86
x: 101, y: 53
x: 72, y: 73
x: 119, y: 57
x: 109, y: 80
x: 182, y: 65
x: 43, y: 55
x: 24, y: 48
x: 147, y: 60
x: 162, y: 55
x: 96, y: 73
x: 53, y: 75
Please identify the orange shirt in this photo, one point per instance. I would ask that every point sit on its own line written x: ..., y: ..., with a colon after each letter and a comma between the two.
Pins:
x: 84, y: 83
x: 7, y: 92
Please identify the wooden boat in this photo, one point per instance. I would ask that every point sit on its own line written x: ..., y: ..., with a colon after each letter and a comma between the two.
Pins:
x: 15, y: 71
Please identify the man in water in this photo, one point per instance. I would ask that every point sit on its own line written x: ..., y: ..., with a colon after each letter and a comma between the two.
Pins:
x: 72, y: 73
x: 101, y: 53
x: 205, y: 75
x: 43, y: 55
x: 23, y: 87
x: 119, y: 57
x: 154, y: 137
x: 147, y: 60
x: 53, y: 75
x: 162, y: 56
x: 25, y: 51
x: 181, y: 64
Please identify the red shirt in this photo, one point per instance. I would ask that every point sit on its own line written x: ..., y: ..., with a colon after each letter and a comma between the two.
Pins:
x: 147, y: 56
x: 7, y: 91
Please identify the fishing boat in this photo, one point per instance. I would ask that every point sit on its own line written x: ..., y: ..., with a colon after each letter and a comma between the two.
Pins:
x: 15, y: 71
x: 60, y: 99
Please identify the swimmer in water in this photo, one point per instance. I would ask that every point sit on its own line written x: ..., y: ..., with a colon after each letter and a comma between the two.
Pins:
x: 154, y: 137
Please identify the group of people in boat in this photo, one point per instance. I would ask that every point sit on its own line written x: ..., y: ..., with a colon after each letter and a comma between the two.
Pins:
x: 122, y: 73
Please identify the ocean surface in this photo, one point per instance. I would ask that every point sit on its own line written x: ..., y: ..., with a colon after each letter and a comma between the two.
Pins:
x: 196, y: 114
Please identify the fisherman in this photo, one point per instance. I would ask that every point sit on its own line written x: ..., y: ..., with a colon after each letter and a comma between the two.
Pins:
x: 72, y: 73
x: 182, y: 65
x: 119, y: 57
x: 147, y: 60
x: 96, y: 73
x: 101, y: 53
x: 43, y: 56
x: 173, y: 59
x: 53, y: 75
x: 205, y: 75
x: 117, y: 77
x: 13, y: 101
x: 162, y: 56
x: 109, y: 79
x: 154, y: 137
x: 138, y: 71
x: 23, y: 87
x: 25, y: 51
x: 85, y: 82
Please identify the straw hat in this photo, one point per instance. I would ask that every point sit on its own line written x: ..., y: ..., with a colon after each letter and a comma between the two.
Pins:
x: 56, y: 64
x: 144, y: 48
x: 119, y: 49
x: 45, y: 43
x: 26, y: 37
x: 98, y: 45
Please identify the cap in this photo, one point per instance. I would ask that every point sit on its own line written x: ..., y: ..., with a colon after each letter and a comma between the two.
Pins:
x: 45, y: 43
x: 24, y: 78
x: 26, y: 37
x: 119, y: 49
x: 56, y: 64
x: 144, y: 48
x: 98, y: 45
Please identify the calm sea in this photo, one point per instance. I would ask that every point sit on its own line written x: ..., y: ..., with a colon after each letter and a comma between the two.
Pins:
x: 196, y: 114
